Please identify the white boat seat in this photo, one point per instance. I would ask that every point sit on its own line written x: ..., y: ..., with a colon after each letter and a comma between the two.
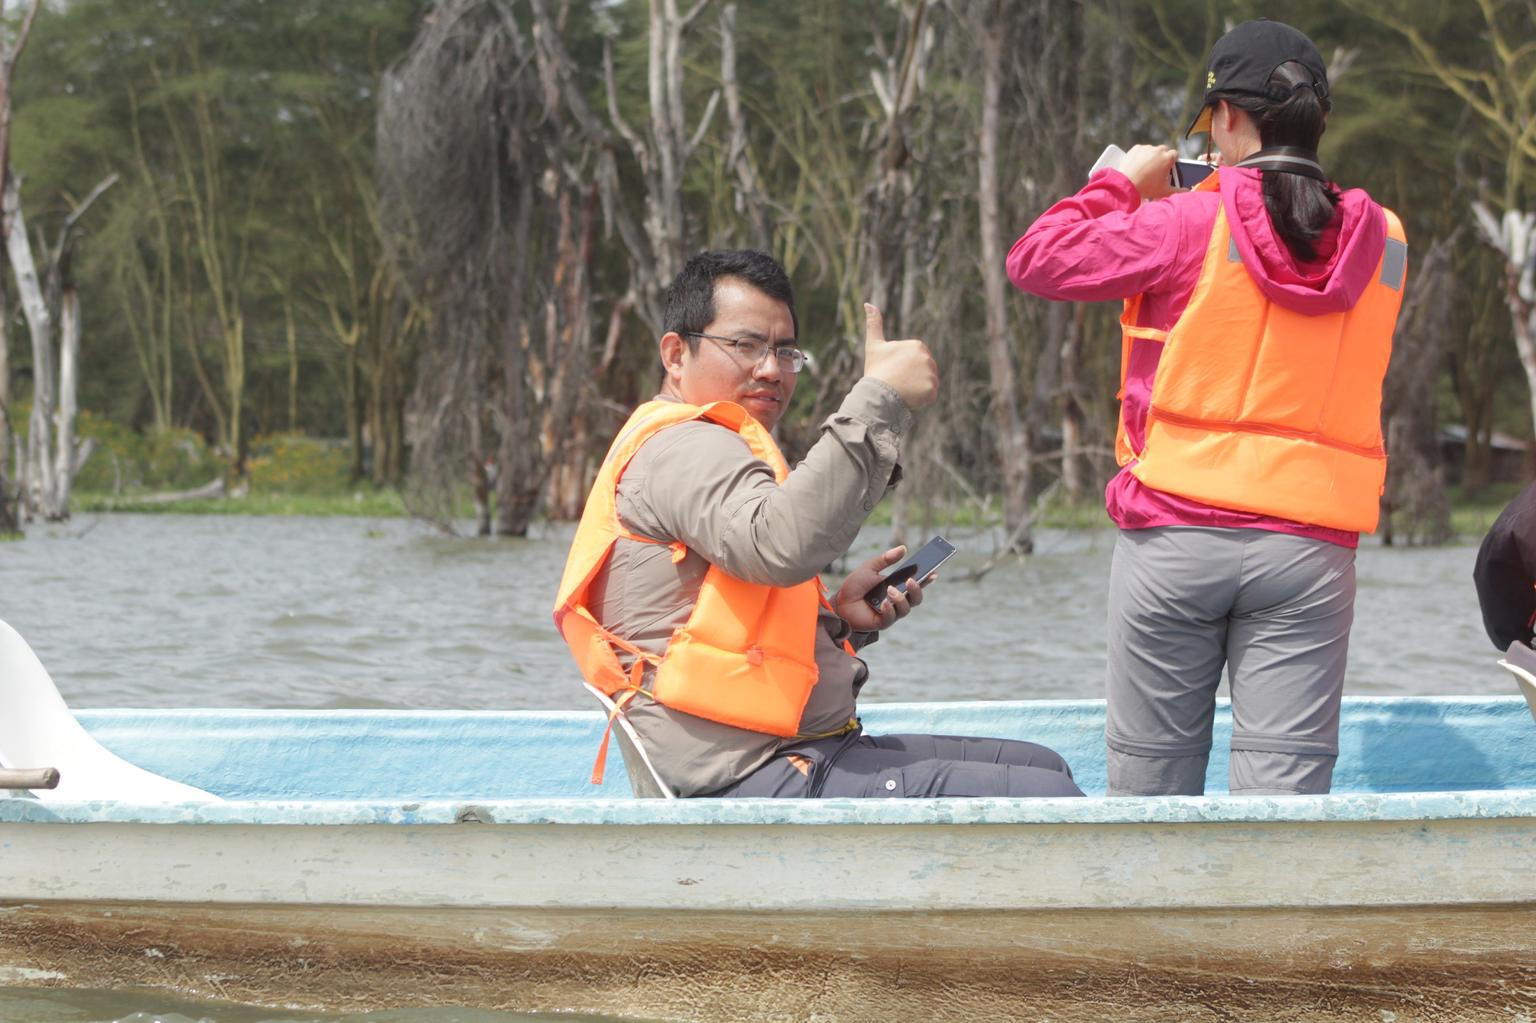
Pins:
x: 37, y: 731
x: 644, y: 782
x: 1520, y: 661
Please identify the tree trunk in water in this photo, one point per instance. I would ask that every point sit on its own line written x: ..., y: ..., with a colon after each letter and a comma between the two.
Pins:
x: 11, y: 500
x: 1072, y: 412
x: 1514, y: 236
x: 67, y: 460
x: 354, y: 417
x: 234, y: 377
x: 1012, y: 453
x: 1414, y: 503
x: 293, y: 366
x: 480, y: 477
x: 1477, y: 459
x: 564, y: 429
x: 1523, y: 319
x: 10, y: 524
x: 518, y: 468
x: 38, y: 471
x: 384, y: 404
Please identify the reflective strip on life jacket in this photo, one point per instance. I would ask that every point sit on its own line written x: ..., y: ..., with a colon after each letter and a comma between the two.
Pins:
x: 1263, y: 409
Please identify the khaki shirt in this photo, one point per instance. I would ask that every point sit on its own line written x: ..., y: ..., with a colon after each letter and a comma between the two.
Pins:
x: 700, y: 484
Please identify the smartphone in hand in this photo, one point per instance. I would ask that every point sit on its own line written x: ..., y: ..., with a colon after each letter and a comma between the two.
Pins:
x: 919, y: 566
x: 1189, y: 173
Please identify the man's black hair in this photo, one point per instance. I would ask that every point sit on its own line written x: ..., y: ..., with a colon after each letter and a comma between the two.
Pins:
x: 690, y: 298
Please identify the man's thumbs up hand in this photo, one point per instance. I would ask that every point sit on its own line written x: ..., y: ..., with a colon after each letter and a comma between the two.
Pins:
x: 906, y: 366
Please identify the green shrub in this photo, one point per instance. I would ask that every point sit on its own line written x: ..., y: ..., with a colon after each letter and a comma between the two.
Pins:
x: 179, y: 459
x: 290, y: 463
x: 122, y: 460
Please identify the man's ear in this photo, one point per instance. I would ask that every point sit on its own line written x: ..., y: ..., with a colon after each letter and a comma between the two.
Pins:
x: 672, y: 346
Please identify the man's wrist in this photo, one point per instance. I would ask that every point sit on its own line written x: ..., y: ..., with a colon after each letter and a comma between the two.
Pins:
x: 878, y: 405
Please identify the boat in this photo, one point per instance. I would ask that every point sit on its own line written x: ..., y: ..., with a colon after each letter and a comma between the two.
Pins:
x: 350, y: 860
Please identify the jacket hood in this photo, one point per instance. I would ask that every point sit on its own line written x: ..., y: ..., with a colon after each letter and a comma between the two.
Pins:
x: 1349, y: 249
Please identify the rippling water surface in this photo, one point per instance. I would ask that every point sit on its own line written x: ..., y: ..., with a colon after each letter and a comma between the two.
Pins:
x: 187, y: 611
x: 19, y: 1005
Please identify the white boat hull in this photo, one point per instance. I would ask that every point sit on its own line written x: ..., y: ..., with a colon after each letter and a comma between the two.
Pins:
x: 804, y: 869
x: 364, y: 860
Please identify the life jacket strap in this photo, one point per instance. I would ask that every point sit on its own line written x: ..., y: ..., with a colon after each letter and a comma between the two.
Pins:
x: 601, y: 764
x: 853, y: 725
x: 821, y: 595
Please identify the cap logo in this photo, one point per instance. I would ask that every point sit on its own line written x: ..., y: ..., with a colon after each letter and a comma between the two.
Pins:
x: 1210, y: 79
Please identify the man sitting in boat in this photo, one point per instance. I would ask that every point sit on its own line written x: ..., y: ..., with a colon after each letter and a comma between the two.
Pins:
x: 1505, y: 575
x: 691, y: 596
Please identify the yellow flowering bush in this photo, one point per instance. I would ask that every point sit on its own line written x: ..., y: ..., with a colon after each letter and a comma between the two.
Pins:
x: 291, y: 463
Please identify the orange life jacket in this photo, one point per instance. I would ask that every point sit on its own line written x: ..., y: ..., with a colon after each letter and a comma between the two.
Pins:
x: 1263, y: 409
x: 746, y: 656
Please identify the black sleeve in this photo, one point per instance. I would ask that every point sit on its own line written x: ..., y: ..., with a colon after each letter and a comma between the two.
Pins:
x: 1506, y: 572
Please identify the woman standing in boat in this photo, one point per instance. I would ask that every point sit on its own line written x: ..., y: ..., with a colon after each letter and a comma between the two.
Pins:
x: 1259, y: 310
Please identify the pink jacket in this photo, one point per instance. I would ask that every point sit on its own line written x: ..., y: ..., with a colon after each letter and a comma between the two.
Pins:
x: 1106, y: 243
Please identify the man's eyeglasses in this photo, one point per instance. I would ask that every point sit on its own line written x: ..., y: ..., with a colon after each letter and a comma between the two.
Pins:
x: 751, y: 350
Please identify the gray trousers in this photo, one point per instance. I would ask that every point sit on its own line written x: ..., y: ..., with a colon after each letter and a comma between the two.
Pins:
x: 1274, y: 609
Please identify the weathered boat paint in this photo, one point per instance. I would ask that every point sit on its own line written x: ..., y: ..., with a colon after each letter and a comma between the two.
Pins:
x: 375, y: 858
x: 1077, y: 966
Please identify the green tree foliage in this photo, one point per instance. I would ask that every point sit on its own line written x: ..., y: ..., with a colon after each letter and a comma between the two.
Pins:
x: 243, y: 132
x: 242, y: 279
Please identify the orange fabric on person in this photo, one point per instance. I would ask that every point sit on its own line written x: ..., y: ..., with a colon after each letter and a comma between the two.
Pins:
x: 745, y: 657
x: 1264, y: 409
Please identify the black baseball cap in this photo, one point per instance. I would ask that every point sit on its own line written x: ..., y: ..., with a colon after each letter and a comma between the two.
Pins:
x: 1244, y: 59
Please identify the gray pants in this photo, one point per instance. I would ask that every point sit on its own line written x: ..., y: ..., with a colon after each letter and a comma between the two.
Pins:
x: 1275, y: 609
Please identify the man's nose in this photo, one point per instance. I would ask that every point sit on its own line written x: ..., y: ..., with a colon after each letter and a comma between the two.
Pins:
x: 768, y: 367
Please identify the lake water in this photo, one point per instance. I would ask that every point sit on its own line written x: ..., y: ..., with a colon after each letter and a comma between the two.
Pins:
x: 216, y: 611
x: 19, y: 1005
x: 192, y: 611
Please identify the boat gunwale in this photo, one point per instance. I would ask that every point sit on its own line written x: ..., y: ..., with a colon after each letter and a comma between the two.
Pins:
x: 866, y: 707
x: 1358, y: 806
x: 1341, y: 808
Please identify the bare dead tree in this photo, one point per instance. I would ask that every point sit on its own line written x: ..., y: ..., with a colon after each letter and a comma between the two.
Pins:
x: 892, y: 197
x: 51, y: 306
x: 1475, y: 350
x: 457, y: 215
x: 990, y: 26
x: 496, y: 175
x: 1027, y: 67
x: 750, y: 198
x: 662, y: 153
x: 894, y: 230
x: 1414, y: 503
x: 1501, y: 92
x: 11, y: 48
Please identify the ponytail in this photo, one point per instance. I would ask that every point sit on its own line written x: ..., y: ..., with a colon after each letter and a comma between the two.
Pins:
x: 1292, y: 113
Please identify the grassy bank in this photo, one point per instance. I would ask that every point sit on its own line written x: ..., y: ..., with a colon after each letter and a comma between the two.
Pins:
x: 363, y: 502
x: 287, y: 474
x: 1471, y: 515
x: 290, y: 474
